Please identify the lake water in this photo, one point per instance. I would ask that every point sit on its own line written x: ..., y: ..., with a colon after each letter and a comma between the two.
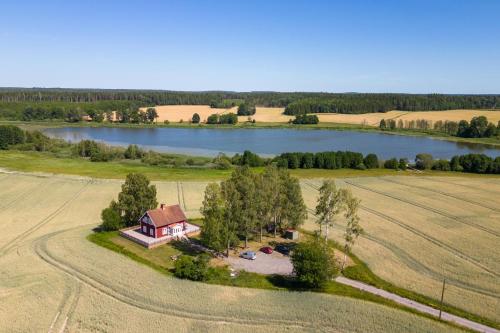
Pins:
x: 268, y: 142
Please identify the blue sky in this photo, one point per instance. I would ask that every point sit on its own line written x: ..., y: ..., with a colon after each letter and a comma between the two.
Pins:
x: 419, y: 46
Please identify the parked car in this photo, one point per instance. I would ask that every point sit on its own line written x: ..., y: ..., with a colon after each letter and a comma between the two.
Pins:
x: 284, y: 249
x: 250, y: 255
x: 267, y: 249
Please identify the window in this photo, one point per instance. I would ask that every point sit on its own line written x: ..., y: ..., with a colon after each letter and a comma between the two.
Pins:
x: 144, y: 229
x: 151, y: 232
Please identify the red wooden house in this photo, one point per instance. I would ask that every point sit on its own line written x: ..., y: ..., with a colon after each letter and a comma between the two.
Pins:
x: 164, y: 221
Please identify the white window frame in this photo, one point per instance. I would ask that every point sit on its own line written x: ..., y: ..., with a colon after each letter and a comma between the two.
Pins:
x: 152, y: 232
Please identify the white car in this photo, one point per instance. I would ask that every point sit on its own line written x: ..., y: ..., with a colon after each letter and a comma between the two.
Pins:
x: 248, y: 255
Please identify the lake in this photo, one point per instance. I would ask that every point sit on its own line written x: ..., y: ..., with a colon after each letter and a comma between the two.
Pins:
x: 269, y: 142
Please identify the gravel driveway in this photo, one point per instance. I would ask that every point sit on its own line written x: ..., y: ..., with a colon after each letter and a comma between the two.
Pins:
x: 274, y: 263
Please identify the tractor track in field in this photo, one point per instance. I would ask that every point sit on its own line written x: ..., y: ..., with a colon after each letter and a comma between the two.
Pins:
x: 183, y: 197
x: 5, y: 248
x: 103, y: 287
x: 24, y: 194
x: 415, y: 265
x: 434, y: 179
x: 441, y: 193
x: 431, y: 239
x: 423, y: 235
x: 430, y: 209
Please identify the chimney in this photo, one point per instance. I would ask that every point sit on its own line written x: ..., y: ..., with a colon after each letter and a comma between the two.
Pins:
x: 163, y: 206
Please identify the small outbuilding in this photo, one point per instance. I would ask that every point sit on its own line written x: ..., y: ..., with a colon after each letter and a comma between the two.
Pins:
x: 292, y: 234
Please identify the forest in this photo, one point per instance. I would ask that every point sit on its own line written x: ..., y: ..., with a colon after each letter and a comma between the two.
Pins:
x: 62, y: 104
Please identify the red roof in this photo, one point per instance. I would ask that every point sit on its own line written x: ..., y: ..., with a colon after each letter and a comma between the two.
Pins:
x: 166, y: 215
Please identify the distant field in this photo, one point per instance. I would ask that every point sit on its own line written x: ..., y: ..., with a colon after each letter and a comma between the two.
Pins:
x: 52, y: 279
x: 176, y: 113
x: 373, y: 119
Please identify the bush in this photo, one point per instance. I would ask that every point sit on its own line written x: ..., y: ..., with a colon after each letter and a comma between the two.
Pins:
x: 195, y: 119
x: 313, y: 263
x: 10, y: 135
x: 441, y: 165
x: 403, y: 164
x: 424, y: 161
x: 190, y: 268
x: 246, y: 110
x: 391, y: 164
x: 213, y: 119
x: 371, y: 161
x: 133, y: 152
x: 111, y: 219
x: 306, y: 119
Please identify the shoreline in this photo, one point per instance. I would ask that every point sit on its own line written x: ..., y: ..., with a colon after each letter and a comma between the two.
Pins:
x: 40, y: 125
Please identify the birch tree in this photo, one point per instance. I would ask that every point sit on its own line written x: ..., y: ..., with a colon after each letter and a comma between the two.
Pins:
x: 353, y: 228
x: 330, y: 204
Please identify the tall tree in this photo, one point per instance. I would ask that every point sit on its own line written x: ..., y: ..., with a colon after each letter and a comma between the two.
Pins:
x: 136, y: 197
x: 231, y: 214
x: 353, y: 228
x: 293, y: 208
x: 330, y: 204
x: 213, y: 232
x: 151, y: 114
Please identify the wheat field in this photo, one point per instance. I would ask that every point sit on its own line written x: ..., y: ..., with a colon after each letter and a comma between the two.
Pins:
x: 54, y: 280
x: 176, y: 113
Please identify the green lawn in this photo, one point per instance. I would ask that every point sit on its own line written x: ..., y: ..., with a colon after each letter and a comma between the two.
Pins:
x: 28, y: 161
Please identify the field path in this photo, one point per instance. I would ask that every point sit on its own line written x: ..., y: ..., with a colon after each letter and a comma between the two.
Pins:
x: 417, y: 306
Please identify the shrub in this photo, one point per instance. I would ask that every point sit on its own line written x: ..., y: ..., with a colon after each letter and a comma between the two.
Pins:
x: 403, y: 164
x: 423, y: 161
x: 306, y: 119
x: 246, y: 110
x: 442, y: 165
x: 111, y: 219
x: 196, y: 118
x: 10, y: 135
x: 133, y: 152
x: 391, y: 163
x: 213, y: 119
x: 371, y: 161
x: 190, y: 268
x: 313, y: 263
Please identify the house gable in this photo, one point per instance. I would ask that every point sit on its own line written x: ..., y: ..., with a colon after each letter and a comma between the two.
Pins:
x: 147, y: 219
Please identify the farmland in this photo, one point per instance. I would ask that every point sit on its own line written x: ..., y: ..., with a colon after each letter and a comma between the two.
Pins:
x: 174, y: 113
x: 56, y: 279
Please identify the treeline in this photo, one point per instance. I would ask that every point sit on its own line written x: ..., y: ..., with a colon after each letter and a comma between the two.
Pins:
x: 226, y: 118
x: 367, y: 103
x: 478, y: 127
x: 295, y: 102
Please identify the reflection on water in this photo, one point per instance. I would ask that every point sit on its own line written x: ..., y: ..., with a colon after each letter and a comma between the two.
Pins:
x: 209, y: 142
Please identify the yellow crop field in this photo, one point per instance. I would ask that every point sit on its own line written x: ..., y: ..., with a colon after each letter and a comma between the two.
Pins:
x: 58, y: 281
x: 373, y: 119
x: 176, y: 113
x: 420, y: 231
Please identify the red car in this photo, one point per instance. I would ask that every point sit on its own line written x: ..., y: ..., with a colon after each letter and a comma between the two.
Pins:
x: 266, y: 250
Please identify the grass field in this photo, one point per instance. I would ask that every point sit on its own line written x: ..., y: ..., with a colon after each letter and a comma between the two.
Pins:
x: 56, y: 280
x: 41, y: 162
